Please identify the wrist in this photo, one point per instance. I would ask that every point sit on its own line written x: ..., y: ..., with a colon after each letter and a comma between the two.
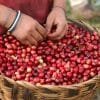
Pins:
x: 15, y: 22
x: 10, y: 18
x: 60, y: 3
x: 5, y: 16
x: 59, y: 8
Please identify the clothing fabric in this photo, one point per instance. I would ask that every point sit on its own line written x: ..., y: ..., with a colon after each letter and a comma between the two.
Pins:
x: 38, y: 9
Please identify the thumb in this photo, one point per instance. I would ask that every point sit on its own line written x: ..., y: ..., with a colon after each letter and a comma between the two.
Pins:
x: 49, y: 25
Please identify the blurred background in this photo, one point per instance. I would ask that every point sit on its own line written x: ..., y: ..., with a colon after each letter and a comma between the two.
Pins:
x: 87, y: 10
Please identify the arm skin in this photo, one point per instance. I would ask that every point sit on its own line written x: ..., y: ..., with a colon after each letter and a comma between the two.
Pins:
x: 57, y: 17
x: 60, y: 3
x: 28, y: 34
x: 7, y: 16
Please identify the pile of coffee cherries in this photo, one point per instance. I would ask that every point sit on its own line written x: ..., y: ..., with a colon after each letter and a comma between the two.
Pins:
x: 73, y: 59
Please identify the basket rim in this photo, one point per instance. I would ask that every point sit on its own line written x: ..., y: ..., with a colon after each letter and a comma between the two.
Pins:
x: 81, y: 84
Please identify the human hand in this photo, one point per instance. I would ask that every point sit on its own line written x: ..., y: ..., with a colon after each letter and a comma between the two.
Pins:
x: 56, y: 17
x: 28, y: 31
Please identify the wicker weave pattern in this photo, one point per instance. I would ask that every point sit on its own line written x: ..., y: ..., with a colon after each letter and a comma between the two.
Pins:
x: 20, y: 90
x: 12, y: 90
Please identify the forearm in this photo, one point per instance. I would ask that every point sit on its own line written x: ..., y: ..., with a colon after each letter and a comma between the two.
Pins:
x: 6, y: 16
x: 61, y: 3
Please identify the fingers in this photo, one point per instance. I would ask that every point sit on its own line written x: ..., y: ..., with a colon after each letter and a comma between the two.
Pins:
x: 49, y: 25
x: 58, y: 32
x: 35, y: 34
x: 31, y: 40
x: 25, y: 42
x: 62, y: 34
x: 41, y: 30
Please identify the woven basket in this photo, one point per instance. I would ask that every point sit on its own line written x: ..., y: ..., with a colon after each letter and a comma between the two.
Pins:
x: 20, y: 90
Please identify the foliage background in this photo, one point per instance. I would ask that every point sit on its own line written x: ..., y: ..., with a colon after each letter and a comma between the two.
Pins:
x: 94, y: 21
